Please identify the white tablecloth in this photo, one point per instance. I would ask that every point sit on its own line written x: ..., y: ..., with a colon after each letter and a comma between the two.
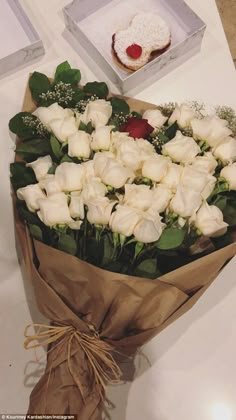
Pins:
x: 193, y: 364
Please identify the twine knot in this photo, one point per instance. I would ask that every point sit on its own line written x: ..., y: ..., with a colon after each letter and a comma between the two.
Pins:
x: 98, y: 352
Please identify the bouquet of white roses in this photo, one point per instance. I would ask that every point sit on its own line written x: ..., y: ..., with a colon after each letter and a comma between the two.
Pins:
x: 135, y: 190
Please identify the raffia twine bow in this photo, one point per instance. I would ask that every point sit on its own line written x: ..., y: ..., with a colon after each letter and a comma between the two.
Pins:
x: 98, y: 352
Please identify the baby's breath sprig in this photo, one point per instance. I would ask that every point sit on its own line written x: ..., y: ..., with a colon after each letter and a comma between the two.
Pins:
x: 36, y: 125
x: 81, y: 105
x: 198, y: 108
x: 168, y: 108
x: 187, y: 131
x: 62, y: 93
x: 227, y: 113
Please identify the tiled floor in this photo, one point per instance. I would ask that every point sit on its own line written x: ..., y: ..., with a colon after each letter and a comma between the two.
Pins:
x: 227, y: 9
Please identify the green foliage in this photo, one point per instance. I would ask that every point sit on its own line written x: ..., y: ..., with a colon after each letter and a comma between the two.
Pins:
x: 71, y: 76
x: 88, y: 128
x: 61, y: 68
x: 56, y: 148
x: 148, y: 269
x: 171, y: 131
x: 18, y: 126
x: 171, y: 238
x: 67, y: 244
x: 119, y: 105
x: 21, y: 176
x: 99, y: 89
x: 39, y: 84
x: 32, y: 149
x: 36, y: 232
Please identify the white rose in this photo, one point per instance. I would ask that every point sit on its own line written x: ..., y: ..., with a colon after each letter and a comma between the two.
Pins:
x: 124, y: 219
x: 185, y: 202
x: 209, y: 220
x: 52, y: 112
x: 93, y: 189
x: 88, y: 170
x: 76, y: 206
x: 79, y: 145
x: 128, y: 153
x: 63, y: 128
x: 100, y: 161
x: 183, y: 115
x: 110, y: 171
x: 31, y: 194
x: 161, y: 198
x: 155, y: 118
x: 98, y: 112
x: 75, y: 225
x: 210, y: 129
x: 194, y: 179
x: 149, y: 228
x: 172, y: 177
x: 138, y: 196
x: 54, y: 210
x: 116, y: 138
x: 209, y: 187
x: 226, y: 150
x: 181, y: 148
x: 41, y: 166
x: 49, y: 184
x: 101, y: 138
x: 70, y: 176
x: 229, y: 173
x: 146, y: 149
x: 116, y: 175
x: 206, y: 163
x: 155, y: 168
x: 99, y: 210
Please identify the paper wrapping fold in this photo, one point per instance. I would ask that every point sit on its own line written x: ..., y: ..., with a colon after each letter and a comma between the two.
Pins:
x: 127, y: 311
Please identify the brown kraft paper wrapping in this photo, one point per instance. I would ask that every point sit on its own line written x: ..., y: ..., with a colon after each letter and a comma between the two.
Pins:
x: 127, y: 311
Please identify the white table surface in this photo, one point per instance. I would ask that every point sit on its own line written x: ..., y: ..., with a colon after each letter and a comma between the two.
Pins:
x: 193, y: 362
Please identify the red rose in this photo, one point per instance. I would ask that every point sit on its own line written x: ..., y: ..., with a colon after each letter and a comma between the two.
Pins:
x: 137, y: 128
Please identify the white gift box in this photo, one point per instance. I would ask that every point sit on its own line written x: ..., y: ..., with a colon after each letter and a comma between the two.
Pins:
x: 93, y: 22
x: 20, y: 43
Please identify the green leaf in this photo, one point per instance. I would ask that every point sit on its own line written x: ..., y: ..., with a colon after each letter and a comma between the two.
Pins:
x: 66, y: 158
x: 221, y: 202
x: 36, y: 232
x: 70, y: 76
x: 163, y: 138
x: 88, y: 128
x: 171, y: 131
x: 171, y: 238
x: 99, y: 89
x: 95, y: 251
x: 56, y: 147
x: 136, y: 115
x: 119, y: 105
x: 78, y: 95
x: 38, y: 84
x: 82, y: 126
x: 21, y: 175
x: 147, y: 268
x: 229, y: 213
x: 32, y: 149
x: 28, y: 216
x: 67, y: 244
x: 53, y: 168
x: 115, y: 123
x: 60, y: 69
x: 108, y: 250
x: 18, y: 127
